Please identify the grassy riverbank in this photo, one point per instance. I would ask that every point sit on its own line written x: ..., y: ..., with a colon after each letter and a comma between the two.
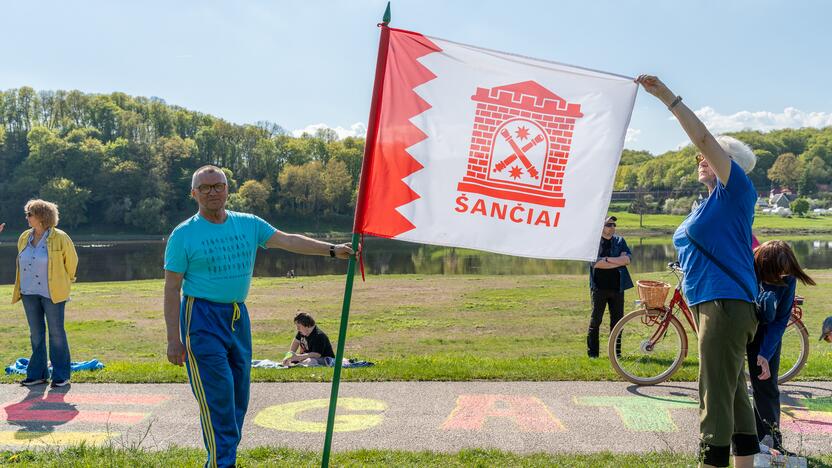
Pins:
x: 341, y: 226
x: 413, y: 327
x: 662, y: 224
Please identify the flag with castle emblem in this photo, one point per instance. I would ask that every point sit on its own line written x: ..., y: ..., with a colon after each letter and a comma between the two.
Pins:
x: 470, y: 147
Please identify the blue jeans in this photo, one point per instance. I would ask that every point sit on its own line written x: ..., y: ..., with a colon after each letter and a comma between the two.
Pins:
x: 37, y: 308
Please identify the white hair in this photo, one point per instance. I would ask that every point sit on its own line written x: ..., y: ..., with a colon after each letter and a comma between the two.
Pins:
x: 738, y: 151
x: 208, y: 168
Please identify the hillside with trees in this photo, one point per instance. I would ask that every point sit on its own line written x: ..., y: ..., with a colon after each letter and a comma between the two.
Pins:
x: 123, y: 164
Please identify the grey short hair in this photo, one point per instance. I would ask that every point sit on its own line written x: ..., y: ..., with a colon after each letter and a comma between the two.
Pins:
x: 738, y: 151
x: 206, y: 168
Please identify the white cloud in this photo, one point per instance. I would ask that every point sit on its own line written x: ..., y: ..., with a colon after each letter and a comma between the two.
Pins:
x: 762, y: 120
x: 632, y: 135
x: 357, y: 129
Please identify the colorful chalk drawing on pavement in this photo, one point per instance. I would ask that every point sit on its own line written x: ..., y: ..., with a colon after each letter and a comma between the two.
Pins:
x: 48, y: 439
x: 642, y: 414
x: 528, y: 413
x: 40, y: 414
x: 286, y: 417
x: 812, y: 416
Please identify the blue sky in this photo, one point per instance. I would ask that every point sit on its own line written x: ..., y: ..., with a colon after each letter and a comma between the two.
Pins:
x: 741, y: 64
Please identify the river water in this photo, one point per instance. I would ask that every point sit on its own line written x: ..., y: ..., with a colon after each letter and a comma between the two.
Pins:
x: 123, y: 261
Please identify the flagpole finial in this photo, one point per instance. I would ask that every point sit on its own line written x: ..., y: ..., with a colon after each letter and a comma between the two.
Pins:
x: 385, y: 20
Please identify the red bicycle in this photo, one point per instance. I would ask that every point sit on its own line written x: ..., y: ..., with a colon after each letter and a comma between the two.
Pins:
x: 649, y: 345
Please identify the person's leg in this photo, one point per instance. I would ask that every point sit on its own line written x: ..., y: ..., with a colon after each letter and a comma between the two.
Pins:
x: 743, y: 326
x: 33, y: 307
x: 599, y: 303
x: 616, y: 303
x: 764, y: 391
x: 774, y: 411
x: 58, y: 344
x: 767, y: 400
x: 240, y: 361
x: 211, y: 381
x: 722, y: 348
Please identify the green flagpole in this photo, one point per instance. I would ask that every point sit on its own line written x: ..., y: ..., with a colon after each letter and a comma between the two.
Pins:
x: 339, y: 354
x: 372, y: 132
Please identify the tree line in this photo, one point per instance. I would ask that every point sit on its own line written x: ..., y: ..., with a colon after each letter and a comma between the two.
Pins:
x: 799, y: 160
x: 124, y: 163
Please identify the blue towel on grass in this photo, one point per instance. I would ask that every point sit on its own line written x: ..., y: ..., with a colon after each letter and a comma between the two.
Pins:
x: 20, y: 366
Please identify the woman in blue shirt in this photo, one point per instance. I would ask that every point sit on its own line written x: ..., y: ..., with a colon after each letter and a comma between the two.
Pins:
x: 778, y: 270
x: 715, y: 237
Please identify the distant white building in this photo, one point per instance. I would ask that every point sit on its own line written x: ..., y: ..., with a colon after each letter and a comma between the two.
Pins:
x: 780, y: 200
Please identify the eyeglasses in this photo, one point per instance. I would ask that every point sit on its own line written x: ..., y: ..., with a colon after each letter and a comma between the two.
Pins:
x: 609, y: 224
x: 205, y: 189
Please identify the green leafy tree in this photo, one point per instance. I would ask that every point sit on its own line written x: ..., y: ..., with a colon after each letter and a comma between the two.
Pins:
x: 149, y: 215
x: 301, y: 188
x: 800, y: 206
x: 71, y: 200
x: 337, y: 186
x: 786, y: 170
x: 253, y: 197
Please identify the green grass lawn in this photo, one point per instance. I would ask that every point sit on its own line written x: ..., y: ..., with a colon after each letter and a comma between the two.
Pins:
x: 84, y: 456
x: 413, y: 327
x: 664, y: 223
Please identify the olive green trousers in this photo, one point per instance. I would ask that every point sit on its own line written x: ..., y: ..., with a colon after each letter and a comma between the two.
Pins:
x: 726, y: 327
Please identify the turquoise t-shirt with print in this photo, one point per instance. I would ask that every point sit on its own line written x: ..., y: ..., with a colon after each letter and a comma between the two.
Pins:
x: 217, y: 260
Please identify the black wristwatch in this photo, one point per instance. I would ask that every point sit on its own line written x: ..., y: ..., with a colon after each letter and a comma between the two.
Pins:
x: 332, y: 250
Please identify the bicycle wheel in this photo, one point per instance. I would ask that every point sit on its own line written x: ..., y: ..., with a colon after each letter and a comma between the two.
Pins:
x: 637, y: 361
x: 793, y: 352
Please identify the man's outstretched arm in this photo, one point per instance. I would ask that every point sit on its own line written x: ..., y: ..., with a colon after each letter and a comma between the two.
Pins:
x: 298, y: 243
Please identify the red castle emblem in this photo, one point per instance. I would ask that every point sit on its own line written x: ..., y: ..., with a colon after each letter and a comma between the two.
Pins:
x: 520, y: 144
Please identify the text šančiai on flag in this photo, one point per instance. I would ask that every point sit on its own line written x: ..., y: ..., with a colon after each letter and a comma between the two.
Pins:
x: 492, y: 151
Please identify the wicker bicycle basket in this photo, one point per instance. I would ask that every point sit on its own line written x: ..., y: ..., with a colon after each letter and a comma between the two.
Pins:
x: 652, y: 293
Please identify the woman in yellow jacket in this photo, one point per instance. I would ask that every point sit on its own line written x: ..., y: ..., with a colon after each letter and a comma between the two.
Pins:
x: 46, y: 265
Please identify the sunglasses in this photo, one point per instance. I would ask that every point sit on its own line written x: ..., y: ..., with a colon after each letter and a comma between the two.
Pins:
x: 700, y: 158
x: 609, y: 224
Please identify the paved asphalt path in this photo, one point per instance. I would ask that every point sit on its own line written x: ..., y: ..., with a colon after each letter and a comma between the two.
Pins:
x: 520, y: 417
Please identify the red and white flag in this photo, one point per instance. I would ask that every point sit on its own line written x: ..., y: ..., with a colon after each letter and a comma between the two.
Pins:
x: 491, y: 151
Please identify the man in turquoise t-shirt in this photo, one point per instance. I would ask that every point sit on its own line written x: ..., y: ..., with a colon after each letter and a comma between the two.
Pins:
x: 210, y: 258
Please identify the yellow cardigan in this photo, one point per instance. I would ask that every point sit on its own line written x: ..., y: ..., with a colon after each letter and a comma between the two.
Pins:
x: 63, y: 262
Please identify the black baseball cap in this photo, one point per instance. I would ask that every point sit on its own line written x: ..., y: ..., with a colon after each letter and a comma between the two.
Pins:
x: 611, y: 219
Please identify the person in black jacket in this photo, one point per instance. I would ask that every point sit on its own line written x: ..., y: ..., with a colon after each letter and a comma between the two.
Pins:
x: 608, y: 279
x: 311, y: 346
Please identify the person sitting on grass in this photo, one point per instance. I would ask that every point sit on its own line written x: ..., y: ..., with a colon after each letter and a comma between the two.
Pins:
x: 311, y: 346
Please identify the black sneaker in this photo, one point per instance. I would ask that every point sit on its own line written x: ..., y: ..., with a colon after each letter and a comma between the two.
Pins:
x: 59, y: 383
x: 32, y: 382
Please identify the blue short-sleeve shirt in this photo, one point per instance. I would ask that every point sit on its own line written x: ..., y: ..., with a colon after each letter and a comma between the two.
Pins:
x: 217, y: 260
x: 721, y: 224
